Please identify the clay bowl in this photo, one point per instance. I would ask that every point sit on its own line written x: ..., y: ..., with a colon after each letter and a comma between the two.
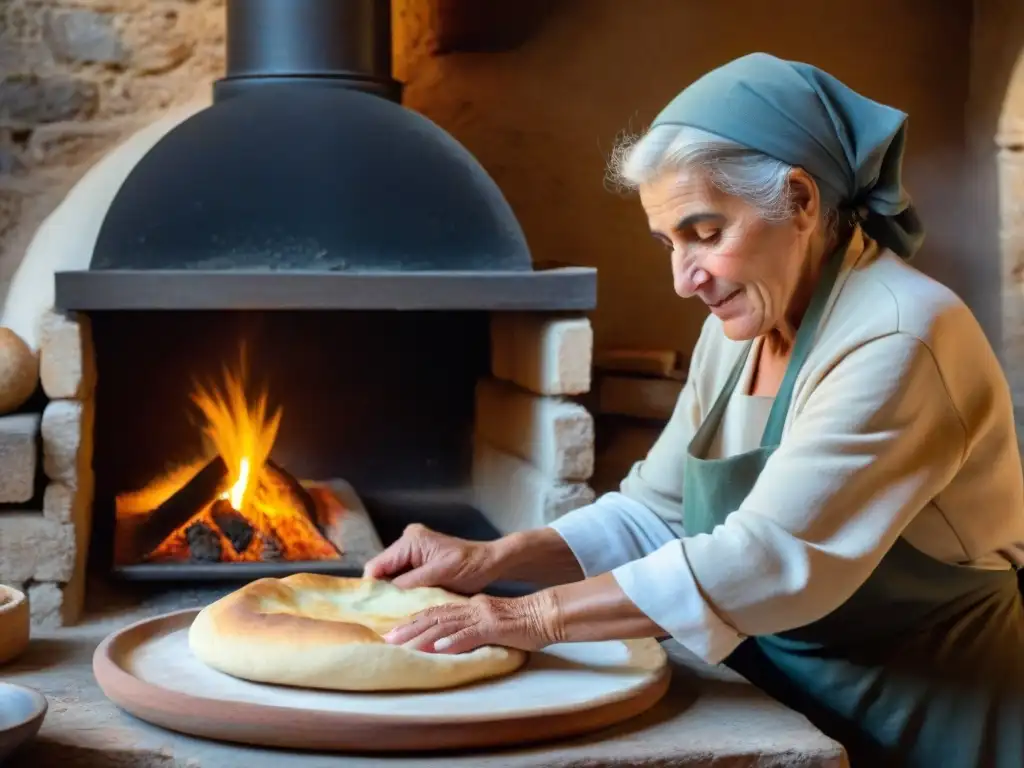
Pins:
x: 14, y: 623
x: 21, y: 713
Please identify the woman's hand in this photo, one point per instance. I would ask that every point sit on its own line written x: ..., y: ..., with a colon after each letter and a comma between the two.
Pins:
x: 591, y: 610
x: 528, y: 623
x: 424, y: 558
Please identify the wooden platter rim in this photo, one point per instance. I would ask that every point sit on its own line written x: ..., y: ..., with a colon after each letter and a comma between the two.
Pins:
x: 271, y: 725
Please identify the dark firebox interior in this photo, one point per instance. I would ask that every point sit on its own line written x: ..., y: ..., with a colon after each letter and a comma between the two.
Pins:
x: 382, y: 399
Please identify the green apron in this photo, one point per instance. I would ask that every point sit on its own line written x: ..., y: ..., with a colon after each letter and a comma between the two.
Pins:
x: 923, y: 666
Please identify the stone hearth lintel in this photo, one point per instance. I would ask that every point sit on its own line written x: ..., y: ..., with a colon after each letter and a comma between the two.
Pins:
x: 562, y: 288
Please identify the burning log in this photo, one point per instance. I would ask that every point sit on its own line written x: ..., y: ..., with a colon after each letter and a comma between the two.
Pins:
x: 150, y: 530
x: 203, y: 543
x: 298, y: 491
x: 238, y: 531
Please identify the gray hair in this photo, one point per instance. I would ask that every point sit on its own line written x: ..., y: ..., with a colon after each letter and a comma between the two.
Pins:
x: 736, y: 170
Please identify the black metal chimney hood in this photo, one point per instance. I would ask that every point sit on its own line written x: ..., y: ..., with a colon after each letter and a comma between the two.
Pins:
x: 307, y: 185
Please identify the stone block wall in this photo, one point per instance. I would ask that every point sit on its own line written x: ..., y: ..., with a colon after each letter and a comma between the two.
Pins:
x: 76, y: 76
x: 534, y: 443
x: 44, y: 551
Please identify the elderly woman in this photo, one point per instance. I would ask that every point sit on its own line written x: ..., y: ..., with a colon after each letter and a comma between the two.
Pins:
x: 836, y: 507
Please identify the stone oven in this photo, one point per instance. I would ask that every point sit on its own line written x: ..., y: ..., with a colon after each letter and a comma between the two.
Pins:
x: 281, y: 353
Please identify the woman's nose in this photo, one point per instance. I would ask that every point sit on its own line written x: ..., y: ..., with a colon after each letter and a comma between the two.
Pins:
x: 686, y: 275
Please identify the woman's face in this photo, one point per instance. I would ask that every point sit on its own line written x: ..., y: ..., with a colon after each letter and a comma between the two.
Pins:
x: 747, y: 270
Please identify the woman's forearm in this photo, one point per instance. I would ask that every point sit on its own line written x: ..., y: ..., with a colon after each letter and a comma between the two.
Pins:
x: 592, y: 610
x: 572, y: 608
x: 539, y: 557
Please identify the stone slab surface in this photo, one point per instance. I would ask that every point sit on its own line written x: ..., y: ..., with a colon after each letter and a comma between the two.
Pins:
x: 710, y: 717
x: 64, y: 504
x: 516, y: 496
x: 565, y: 288
x: 62, y: 429
x: 546, y: 355
x: 554, y: 434
x: 55, y: 605
x: 19, y: 434
x: 34, y: 548
x: 66, y: 358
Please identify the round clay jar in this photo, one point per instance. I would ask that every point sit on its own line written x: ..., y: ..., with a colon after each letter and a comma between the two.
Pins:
x: 19, y: 371
x: 14, y: 623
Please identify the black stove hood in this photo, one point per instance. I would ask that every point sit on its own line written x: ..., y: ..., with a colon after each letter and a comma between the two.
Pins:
x: 308, y: 185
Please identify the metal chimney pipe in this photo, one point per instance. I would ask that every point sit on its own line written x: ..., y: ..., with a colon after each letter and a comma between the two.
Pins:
x: 340, y: 43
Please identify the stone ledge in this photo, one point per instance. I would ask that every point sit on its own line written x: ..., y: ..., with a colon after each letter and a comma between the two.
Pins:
x: 564, y: 288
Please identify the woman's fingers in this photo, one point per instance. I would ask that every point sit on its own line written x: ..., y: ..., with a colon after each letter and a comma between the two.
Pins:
x: 429, y: 626
x: 394, y: 559
x: 431, y: 636
x: 431, y: 573
x: 462, y: 641
x: 405, y: 553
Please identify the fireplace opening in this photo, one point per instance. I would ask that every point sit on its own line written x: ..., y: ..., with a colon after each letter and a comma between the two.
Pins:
x: 233, y: 503
x: 231, y: 443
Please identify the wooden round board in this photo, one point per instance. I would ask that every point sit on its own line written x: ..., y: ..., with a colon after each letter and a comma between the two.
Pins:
x: 148, y: 670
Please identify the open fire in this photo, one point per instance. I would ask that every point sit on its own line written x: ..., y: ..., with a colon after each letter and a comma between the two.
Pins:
x: 232, y: 504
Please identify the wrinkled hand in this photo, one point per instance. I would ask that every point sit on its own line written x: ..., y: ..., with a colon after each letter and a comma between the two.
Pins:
x: 424, y: 558
x: 527, y: 623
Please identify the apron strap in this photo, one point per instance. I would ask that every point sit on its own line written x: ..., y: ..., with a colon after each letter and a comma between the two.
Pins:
x: 703, y: 438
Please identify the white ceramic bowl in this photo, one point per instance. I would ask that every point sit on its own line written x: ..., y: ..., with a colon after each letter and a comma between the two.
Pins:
x: 22, y: 711
x: 14, y: 623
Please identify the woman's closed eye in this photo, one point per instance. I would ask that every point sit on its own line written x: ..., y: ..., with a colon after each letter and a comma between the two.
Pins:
x: 702, y: 236
x: 705, y: 235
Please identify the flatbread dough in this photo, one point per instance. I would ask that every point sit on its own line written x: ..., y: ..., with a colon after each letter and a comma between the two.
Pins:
x: 317, y: 631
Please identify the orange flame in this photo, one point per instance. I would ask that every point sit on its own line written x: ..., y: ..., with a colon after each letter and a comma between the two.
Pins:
x: 242, y: 433
x: 243, y: 436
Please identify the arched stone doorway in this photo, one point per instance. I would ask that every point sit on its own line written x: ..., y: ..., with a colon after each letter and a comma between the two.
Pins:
x: 995, y: 120
x: 1010, y: 169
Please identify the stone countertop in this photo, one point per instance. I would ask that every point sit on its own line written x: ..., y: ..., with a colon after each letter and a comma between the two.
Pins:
x: 709, y: 717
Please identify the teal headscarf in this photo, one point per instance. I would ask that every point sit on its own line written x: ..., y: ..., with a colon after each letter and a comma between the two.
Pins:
x: 796, y: 113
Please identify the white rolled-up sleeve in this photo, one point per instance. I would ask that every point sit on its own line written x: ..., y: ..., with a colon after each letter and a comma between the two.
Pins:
x: 612, y: 531
x: 877, y: 440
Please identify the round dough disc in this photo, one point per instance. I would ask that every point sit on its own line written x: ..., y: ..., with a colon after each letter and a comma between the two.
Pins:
x: 315, y: 631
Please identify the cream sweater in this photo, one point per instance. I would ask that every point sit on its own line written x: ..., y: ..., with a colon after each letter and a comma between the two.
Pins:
x: 901, y: 424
